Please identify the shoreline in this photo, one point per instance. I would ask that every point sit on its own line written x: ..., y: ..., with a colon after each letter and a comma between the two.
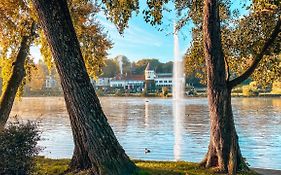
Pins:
x: 168, y: 97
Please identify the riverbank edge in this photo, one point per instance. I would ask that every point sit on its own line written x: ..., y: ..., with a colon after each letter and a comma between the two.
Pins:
x: 200, y: 95
x: 59, y: 166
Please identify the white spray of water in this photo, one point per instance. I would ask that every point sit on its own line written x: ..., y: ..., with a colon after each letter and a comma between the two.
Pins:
x: 178, y: 96
x: 120, y: 60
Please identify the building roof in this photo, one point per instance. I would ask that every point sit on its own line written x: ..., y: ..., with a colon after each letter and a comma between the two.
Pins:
x: 148, y: 67
x: 129, y: 77
x: 164, y: 75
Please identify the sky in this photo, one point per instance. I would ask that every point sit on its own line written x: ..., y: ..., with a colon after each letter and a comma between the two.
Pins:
x: 141, y: 40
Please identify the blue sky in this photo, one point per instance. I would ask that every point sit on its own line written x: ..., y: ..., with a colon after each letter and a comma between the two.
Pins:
x: 141, y: 40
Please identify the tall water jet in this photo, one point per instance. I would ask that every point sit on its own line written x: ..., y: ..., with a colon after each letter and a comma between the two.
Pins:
x: 120, y: 61
x: 178, y: 96
x: 178, y: 75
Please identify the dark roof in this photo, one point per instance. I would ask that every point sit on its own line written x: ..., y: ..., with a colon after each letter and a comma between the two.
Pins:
x: 130, y: 77
x: 148, y: 67
x: 164, y: 75
x: 135, y: 77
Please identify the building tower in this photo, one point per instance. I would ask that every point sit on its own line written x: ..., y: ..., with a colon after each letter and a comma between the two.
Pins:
x: 149, y: 74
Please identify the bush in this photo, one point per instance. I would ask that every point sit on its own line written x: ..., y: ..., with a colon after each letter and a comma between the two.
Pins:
x: 100, y: 92
x: 165, y: 91
x: 276, y: 88
x: 18, y: 147
x: 250, y: 90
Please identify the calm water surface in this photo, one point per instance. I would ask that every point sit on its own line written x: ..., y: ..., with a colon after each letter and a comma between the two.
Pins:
x: 148, y: 123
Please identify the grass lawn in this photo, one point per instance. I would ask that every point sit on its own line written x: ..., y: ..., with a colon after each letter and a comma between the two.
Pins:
x: 58, y: 166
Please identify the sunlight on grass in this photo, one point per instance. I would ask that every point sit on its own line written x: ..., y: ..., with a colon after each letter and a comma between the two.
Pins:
x: 59, y: 166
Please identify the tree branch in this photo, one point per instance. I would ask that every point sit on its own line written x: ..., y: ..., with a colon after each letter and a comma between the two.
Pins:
x: 255, y: 63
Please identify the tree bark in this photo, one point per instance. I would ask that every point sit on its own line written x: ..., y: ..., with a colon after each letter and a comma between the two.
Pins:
x: 15, y: 80
x: 223, y: 152
x: 96, y: 146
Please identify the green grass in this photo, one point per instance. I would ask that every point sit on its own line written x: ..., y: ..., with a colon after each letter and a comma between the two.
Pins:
x: 46, y: 166
x: 50, y: 166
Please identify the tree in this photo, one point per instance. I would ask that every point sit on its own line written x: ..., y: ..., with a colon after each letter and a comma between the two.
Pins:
x: 96, y: 147
x: 221, y: 55
x: 38, y: 77
x: 211, y: 17
x: 16, y: 34
x: 18, y: 24
x: 124, y: 64
x: 110, y: 69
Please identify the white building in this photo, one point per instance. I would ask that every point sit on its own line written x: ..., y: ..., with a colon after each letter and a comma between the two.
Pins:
x: 50, y: 82
x: 102, y: 82
x: 164, y: 80
x: 135, y: 82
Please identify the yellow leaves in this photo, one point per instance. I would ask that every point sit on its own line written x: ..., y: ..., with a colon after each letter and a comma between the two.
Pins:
x: 266, y: 6
x: 45, y: 50
x: 6, y: 69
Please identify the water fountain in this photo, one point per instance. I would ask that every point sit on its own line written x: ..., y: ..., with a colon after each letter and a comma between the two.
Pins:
x: 178, y: 97
x: 120, y: 61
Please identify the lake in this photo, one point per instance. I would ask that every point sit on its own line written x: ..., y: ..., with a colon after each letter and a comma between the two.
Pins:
x: 141, y: 123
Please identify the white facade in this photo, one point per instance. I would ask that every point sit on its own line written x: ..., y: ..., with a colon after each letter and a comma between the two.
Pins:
x: 164, y: 81
x: 103, y: 82
x: 126, y: 84
x: 50, y: 82
x: 149, y: 75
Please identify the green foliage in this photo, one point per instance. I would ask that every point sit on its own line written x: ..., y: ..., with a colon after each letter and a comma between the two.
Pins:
x: 100, y: 92
x: 159, y: 67
x: 119, y: 93
x: 250, y: 90
x: 110, y: 69
x: 18, y: 146
x: 242, y: 39
x: 126, y: 64
x: 144, y: 93
x: 276, y: 87
x: 16, y: 18
x: 120, y: 11
x: 165, y: 91
x: 15, y: 23
x: 154, y: 12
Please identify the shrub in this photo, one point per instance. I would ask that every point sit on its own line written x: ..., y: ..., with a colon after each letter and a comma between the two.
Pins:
x: 144, y: 93
x: 18, y: 147
x: 250, y: 90
x: 100, y: 92
x: 276, y: 88
x: 165, y: 91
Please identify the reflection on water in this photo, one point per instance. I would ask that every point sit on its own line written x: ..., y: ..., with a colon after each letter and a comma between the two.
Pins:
x: 148, y: 123
x: 178, y: 113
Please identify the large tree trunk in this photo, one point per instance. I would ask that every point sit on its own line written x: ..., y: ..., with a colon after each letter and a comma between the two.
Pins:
x: 15, y: 80
x: 224, y: 152
x: 96, y: 146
